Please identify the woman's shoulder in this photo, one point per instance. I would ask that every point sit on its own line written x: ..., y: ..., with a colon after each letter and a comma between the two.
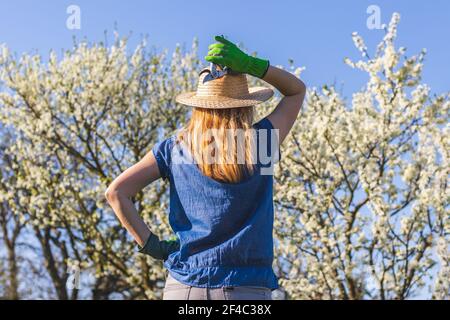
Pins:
x: 267, y: 138
x: 163, y: 152
x: 165, y: 145
x: 173, y: 150
x: 264, y: 123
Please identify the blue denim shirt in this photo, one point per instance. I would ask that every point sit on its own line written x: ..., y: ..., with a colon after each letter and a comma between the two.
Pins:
x: 225, y: 229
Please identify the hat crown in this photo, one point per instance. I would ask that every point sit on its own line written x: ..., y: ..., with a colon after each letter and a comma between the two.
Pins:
x: 228, y: 85
x: 223, y: 89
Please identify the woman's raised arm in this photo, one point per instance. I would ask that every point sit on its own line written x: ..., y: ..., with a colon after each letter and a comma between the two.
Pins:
x: 294, y: 90
x: 226, y: 53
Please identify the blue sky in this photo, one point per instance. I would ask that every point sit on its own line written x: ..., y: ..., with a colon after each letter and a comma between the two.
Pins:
x: 316, y: 34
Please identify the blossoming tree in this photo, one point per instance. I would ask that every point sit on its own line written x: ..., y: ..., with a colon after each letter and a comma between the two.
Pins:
x: 78, y: 123
x: 363, y: 186
x: 361, y: 191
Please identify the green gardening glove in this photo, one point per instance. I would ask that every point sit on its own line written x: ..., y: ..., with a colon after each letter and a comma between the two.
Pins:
x: 159, y: 249
x: 228, y: 54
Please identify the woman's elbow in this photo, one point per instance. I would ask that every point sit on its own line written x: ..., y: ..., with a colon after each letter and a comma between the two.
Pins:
x: 111, y: 193
x: 302, y: 87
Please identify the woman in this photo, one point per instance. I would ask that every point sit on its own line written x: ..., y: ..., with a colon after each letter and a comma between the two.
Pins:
x: 221, y: 198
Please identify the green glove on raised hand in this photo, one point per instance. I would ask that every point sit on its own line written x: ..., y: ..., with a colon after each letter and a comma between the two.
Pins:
x: 159, y: 249
x: 228, y: 54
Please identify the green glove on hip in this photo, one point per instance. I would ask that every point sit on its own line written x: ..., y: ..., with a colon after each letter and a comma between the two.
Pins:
x: 159, y: 249
x: 228, y: 54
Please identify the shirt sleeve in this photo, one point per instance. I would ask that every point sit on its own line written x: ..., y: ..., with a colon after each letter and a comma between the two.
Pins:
x: 272, y: 138
x: 162, y: 153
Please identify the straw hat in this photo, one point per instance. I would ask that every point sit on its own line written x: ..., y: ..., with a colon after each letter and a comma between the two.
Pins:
x: 223, y: 89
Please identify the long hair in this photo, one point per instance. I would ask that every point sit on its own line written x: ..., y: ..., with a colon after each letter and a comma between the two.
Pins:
x: 207, y: 136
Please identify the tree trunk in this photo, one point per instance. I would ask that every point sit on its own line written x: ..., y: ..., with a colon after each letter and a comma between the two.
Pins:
x: 13, y: 287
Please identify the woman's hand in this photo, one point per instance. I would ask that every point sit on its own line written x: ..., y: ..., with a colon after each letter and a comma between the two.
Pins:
x: 228, y: 54
x: 159, y: 249
x: 169, y: 246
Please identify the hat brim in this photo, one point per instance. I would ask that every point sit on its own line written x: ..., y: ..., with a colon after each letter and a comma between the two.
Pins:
x: 255, y: 96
